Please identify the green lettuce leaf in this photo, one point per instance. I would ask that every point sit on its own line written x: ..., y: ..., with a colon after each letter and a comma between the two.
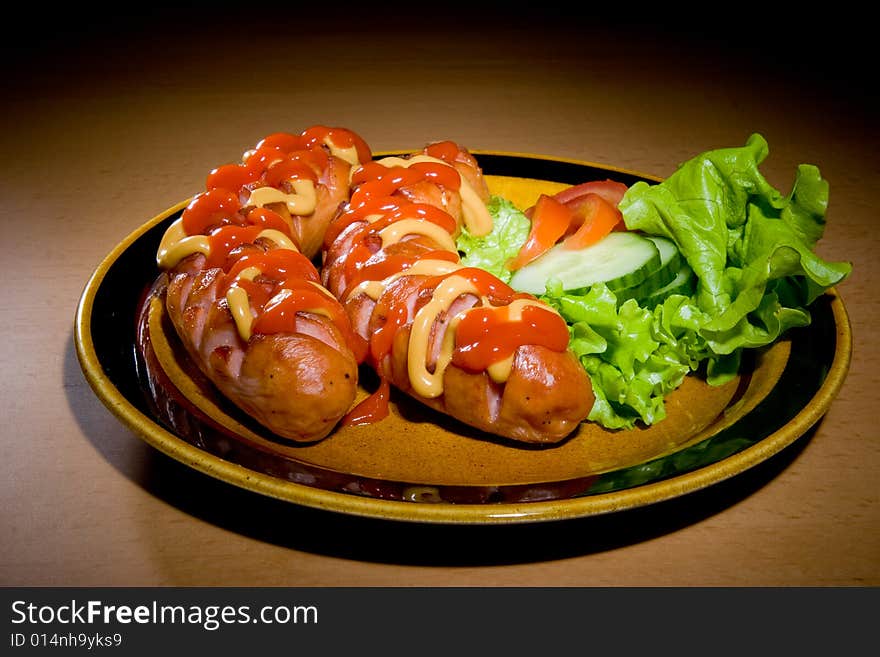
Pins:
x: 510, y: 228
x: 750, y: 247
x: 635, y: 356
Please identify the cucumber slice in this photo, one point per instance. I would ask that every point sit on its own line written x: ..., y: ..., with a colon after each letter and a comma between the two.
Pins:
x: 670, y: 256
x: 683, y: 283
x: 619, y: 260
x: 670, y: 262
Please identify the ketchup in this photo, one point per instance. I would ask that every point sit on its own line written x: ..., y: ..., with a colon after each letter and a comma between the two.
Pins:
x: 487, y: 335
x: 448, y: 151
x: 280, y: 282
x: 212, y: 208
x: 372, y: 409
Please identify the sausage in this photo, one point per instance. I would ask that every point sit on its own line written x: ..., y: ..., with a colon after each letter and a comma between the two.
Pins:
x: 456, y: 338
x: 243, y: 295
x: 300, y: 179
x: 298, y: 383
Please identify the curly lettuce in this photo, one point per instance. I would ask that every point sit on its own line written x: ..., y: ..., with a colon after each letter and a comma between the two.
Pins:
x: 751, y: 248
x: 510, y: 228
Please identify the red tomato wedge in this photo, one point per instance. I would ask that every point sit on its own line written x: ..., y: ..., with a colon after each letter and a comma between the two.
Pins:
x: 597, y: 218
x: 550, y: 221
x: 611, y: 190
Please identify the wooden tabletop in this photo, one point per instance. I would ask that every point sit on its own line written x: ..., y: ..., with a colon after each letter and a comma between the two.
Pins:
x: 113, y: 120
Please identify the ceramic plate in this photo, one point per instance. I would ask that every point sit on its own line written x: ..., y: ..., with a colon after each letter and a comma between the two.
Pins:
x: 420, y: 466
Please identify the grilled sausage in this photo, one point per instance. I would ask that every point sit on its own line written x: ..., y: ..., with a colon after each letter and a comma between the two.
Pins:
x: 454, y: 337
x: 243, y: 295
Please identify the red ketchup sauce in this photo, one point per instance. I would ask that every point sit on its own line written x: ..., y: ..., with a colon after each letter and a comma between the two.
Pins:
x: 233, y: 229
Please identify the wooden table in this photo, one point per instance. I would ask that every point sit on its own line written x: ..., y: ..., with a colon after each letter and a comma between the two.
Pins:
x: 109, y: 126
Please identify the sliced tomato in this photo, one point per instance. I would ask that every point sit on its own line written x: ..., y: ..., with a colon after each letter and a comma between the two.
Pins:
x: 596, y: 216
x: 611, y: 190
x: 550, y: 221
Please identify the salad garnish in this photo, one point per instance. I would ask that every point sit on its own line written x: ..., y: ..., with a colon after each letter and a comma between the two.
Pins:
x: 704, y: 265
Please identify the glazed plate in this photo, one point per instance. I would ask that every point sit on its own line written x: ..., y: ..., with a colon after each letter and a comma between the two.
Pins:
x: 420, y: 466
